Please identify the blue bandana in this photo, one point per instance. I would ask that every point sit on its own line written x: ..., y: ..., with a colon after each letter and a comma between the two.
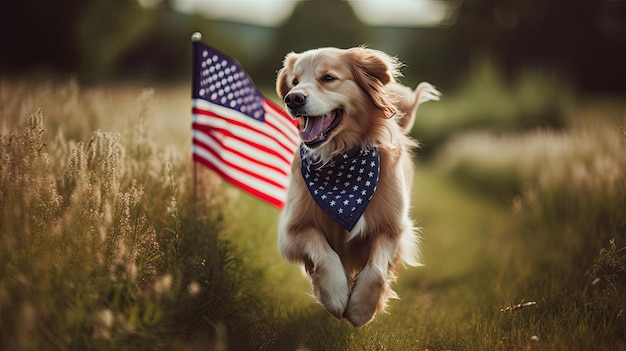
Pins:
x: 344, y: 186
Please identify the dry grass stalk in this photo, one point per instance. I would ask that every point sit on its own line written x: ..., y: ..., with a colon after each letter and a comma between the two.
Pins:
x: 514, y: 308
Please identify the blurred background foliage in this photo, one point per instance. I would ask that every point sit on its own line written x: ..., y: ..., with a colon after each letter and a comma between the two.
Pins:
x: 96, y: 40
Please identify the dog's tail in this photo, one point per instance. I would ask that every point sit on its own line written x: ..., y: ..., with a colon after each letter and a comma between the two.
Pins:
x: 409, y: 100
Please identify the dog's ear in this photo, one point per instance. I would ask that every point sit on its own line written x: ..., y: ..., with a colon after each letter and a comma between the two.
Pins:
x: 372, y: 70
x: 282, y: 82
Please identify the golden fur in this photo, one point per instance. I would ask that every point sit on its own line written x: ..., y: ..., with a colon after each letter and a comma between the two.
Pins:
x: 351, y: 272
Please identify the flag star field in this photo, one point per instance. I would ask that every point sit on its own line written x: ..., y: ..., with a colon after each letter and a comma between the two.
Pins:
x: 222, y: 82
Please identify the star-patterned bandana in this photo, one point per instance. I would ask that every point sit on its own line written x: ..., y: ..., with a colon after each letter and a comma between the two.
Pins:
x: 344, y: 186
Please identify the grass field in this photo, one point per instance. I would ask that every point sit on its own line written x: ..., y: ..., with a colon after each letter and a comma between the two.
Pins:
x: 102, y: 245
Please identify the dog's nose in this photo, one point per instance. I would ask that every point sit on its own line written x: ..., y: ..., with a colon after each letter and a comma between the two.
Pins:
x: 295, y: 100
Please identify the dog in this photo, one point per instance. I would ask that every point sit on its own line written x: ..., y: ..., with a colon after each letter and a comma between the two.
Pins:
x: 346, y: 217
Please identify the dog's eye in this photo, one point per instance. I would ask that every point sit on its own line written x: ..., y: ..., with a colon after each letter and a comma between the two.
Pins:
x: 295, y: 82
x: 328, y: 78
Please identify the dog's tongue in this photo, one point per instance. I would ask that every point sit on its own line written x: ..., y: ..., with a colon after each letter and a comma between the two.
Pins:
x: 313, y: 126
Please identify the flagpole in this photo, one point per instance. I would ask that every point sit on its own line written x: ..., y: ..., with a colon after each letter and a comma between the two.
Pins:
x: 195, y: 37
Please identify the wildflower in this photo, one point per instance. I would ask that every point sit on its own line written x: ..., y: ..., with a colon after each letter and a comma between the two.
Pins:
x: 28, y: 316
x: 104, y: 322
x: 105, y: 317
x: 163, y: 284
x: 193, y: 288
x: 132, y: 271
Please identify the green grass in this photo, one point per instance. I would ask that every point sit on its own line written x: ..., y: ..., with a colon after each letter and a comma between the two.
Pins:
x: 455, y: 263
x: 568, y: 194
x: 102, y: 245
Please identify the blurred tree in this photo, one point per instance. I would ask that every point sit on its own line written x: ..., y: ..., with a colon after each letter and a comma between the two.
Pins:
x: 430, y: 55
x: 560, y: 34
x: 79, y: 36
x: 164, y: 50
x: 568, y: 35
x: 319, y: 23
x: 314, y: 24
x: 38, y: 32
x: 105, y: 30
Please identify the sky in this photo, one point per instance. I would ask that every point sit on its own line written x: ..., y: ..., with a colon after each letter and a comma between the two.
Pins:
x: 271, y: 13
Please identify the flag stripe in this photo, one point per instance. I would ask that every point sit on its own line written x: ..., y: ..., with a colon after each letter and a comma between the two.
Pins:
x: 233, y: 166
x: 241, y: 150
x: 267, y: 129
x: 243, y: 133
x: 276, y: 201
x: 255, y: 187
x: 254, y: 151
x: 235, y: 153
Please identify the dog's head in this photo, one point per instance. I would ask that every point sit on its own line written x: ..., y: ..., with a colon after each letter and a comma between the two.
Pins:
x: 338, y: 96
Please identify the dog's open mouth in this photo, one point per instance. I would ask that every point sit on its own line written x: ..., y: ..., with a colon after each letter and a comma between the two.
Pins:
x: 315, y: 129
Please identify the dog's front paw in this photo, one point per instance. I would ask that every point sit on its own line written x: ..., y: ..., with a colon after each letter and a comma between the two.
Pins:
x: 330, y: 285
x: 369, y: 296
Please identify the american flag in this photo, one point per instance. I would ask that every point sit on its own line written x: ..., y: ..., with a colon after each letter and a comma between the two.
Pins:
x: 242, y: 136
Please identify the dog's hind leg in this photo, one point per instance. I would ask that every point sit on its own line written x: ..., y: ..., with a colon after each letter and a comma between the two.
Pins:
x: 371, y: 288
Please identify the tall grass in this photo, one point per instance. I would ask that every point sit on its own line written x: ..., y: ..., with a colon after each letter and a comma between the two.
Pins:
x: 62, y: 230
x: 99, y: 245
x: 568, y: 192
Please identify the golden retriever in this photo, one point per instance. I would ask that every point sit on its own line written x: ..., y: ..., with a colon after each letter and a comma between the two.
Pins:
x: 350, y: 106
